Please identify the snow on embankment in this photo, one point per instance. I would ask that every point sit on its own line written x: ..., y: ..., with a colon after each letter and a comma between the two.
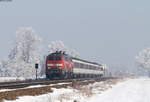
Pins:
x: 76, y: 93
x: 135, y: 90
x: 10, y: 79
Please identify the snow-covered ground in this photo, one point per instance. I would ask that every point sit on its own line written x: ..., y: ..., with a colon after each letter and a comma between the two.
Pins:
x: 11, y: 79
x: 8, y: 79
x: 132, y: 90
x: 135, y: 90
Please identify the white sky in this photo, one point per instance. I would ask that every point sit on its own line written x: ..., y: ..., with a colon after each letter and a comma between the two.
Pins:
x: 111, y: 31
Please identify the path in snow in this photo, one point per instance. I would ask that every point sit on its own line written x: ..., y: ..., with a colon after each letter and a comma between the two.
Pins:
x: 136, y: 90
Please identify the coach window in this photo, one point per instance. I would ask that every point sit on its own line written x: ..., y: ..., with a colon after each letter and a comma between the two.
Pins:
x: 97, y: 68
x: 81, y: 65
x: 89, y: 66
x: 77, y: 65
x: 94, y: 67
x: 86, y: 66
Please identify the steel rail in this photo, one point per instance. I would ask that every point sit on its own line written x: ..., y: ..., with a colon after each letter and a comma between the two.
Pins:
x: 22, y: 84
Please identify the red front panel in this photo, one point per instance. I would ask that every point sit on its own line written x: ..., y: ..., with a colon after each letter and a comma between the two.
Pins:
x: 58, y: 62
x: 55, y: 62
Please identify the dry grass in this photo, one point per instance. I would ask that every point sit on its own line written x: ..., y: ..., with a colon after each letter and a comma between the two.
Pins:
x: 12, y: 95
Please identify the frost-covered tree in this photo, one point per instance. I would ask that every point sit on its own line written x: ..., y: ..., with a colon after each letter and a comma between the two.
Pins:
x: 3, y: 68
x: 120, y: 70
x: 59, y: 46
x: 24, y: 54
x: 143, y: 61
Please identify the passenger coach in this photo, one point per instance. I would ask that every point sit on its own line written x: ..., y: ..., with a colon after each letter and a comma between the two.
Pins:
x: 83, y: 68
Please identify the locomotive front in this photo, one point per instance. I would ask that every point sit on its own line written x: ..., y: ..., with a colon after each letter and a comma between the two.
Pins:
x: 58, y: 65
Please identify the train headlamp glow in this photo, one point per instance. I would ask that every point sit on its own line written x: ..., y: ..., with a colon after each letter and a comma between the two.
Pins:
x: 59, y: 65
x: 50, y: 64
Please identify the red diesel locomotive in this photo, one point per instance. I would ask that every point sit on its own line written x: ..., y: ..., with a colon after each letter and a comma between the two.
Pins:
x: 62, y: 66
x: 59, y: 65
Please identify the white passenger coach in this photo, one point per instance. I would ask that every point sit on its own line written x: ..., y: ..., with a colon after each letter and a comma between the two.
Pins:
x: 86, y: 68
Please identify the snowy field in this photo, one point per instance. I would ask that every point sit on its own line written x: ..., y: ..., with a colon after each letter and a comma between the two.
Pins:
x: 132, y: 90
x: 10, y: 79
x: 135, y: 90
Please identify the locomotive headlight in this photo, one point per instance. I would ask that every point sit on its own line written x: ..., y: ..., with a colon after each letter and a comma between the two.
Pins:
x: 59, y: 65
x: 50, y: 64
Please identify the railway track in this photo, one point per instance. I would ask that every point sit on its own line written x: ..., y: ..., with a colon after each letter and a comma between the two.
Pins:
x: 22, y: 84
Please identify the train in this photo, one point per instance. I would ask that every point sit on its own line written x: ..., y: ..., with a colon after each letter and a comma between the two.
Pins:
x: 60, y: 65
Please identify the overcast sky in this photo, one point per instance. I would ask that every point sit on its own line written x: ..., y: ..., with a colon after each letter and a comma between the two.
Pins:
x: 107, y: 31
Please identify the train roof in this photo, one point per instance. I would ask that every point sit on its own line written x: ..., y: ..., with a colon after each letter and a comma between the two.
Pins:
x: 58, y: 53
x: 86, y: 61
x: 61, y: 53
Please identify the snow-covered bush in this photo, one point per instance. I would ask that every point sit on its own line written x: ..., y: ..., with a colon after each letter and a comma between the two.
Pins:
x: 3, y: 68
x: 120, y: 71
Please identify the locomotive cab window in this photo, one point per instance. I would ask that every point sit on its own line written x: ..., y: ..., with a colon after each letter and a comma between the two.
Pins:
x: 54, y: 58
x: 57, y: 58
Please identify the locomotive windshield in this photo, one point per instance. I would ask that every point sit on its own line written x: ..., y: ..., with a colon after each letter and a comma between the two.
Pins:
x: 54, y: 58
